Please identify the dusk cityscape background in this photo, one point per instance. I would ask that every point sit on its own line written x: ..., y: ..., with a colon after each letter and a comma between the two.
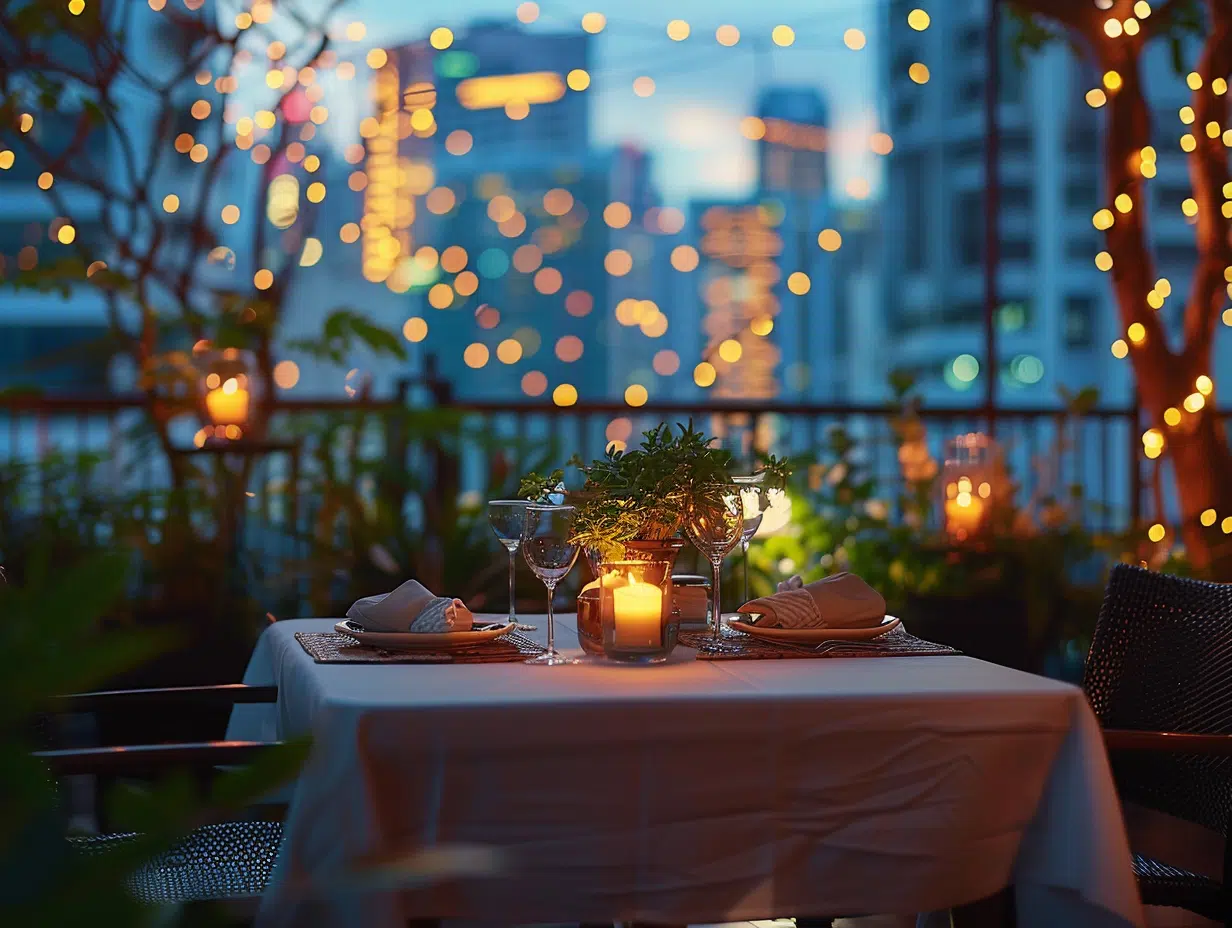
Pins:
x: 862, y: 186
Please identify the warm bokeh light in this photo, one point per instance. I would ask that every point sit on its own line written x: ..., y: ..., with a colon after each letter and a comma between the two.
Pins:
x: 918, y: 72
x: 685, y: 258
x: 312, y: 252
x: 636, y: 395
x: 644, y: 86
x: 528, y: 12
x: 1120, y: 348
x: 509, y: 351
x: 45, y: 180
x: 727, y: 35
x: 453, y: 259
x: 665, y: 362
x: 1096, y: 98
x: 783, y: 36
x: 476, y: 355
x: 1103, y: 219
x: 527, y: 258
x: 704, y: 374
x: 1123, y: 203
x: 466, y: 283
x: 440, y: 38
x: 1189, y: 206
x: 617, y: 215
x: 440, y: 296
x: 548, y: 280
x: 854, y: 39
x: 880, y: 143
x: 678, y: 30
x: 1172, y: 416
x: 415, y: 329
x: 577, y: 79
x: 1156, y: 532
x: 565, y: 394
x: 171, y: 203
x: 66, y: 234
x: 579, y: 303
x: 458, y: 142
x: 1194, y: 402
x: 730, y: 350
x: 762, y: 326
x: 534, y: 383
x: 558, y: 201
x: 1136, y: 333
x: 594, y: 22
x: 286, y: 374
x: 830, y: 240
x: 1193, y: 80
x: 1112, y: 80
x: 569, y: 348
x: 263, y: 279
x: 1103, y: 261
x: 918, y: 20
x: 349, y: 233
x: 798, y: 283
x: 377, y: 58
x: 1204, y: 385
x: 618, y: 262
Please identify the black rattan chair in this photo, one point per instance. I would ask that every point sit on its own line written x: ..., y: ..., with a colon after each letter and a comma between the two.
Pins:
x: 1159, y: 677
x: 223, y: 861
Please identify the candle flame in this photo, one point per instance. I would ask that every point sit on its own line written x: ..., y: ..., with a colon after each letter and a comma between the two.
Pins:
x: 632, y: 579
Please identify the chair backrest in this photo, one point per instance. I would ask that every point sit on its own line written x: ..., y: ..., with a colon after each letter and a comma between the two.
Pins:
x: 1161, y: 660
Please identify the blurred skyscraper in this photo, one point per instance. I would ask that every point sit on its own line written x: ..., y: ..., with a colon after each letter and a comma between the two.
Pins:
x: 1056, y: 317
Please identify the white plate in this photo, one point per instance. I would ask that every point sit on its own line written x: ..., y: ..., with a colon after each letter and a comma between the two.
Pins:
x: 816, y: 635
x: 414, y: 641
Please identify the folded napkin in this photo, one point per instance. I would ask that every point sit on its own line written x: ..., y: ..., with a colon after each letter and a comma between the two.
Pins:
x: 840, y: 601
x: 411, y: 608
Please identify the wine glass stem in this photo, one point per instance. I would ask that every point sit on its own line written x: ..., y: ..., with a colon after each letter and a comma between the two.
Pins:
x: 715, y: 610
x: 745, y: 551
x: 513, y: 614
x: 551, y: 619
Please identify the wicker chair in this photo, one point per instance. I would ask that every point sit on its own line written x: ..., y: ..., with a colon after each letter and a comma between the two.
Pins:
x: 1159, y: 677
x: 224, y: 861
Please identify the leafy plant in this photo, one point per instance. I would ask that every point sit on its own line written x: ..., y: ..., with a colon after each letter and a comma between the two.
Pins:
x: 646, y: 492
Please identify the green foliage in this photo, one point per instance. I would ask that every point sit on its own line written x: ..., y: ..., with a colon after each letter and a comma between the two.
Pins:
x: 646, y: 492
x: 342, y: 331
x: 53, y: 635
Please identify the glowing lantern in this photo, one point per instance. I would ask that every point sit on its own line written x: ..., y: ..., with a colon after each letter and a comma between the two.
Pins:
x: 228, y: 393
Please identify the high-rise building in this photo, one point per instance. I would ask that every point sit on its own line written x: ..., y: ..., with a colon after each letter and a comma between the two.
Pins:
x: 487, y: 204
x: 1056, y: 316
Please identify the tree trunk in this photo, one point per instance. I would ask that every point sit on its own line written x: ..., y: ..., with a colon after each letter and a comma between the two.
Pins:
x: 1202, y: 463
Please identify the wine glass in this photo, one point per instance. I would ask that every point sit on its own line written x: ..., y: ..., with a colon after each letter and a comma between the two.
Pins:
x: 550, y: 552
x: 750, y: 488
x: 507, y: 516
x: 714, y: 526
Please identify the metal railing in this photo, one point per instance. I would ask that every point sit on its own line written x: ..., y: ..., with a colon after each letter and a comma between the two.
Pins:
x: 1048, y: 453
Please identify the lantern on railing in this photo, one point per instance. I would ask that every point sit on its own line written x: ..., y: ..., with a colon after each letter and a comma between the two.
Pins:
x: 229, y: 394
x: 969, y: 477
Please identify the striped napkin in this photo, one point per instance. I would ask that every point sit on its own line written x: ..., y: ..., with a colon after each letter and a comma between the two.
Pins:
x: 839, y: 601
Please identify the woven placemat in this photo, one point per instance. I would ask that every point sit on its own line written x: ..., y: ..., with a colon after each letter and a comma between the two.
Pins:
x: 737, y: 646
x: 334, y: 648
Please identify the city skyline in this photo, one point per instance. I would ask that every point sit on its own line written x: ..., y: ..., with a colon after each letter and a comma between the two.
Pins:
x: 691, y: 122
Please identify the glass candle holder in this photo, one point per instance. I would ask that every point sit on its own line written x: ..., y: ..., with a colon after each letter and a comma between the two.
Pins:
x: 636, y: 621
x: 968, y: 479
x: 228, y: 394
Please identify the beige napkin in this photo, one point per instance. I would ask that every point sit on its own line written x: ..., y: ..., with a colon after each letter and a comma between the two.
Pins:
x: 411, y: 608
x: 840, y: 601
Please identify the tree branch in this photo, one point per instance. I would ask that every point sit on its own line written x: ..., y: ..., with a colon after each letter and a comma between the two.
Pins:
x: 1208, y: 172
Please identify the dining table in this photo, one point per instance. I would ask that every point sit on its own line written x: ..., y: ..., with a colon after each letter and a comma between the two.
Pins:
x: 694, y: 791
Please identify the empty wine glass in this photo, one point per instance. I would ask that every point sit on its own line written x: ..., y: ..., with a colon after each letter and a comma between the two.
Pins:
x: 547, y: 546
x: 714, y: 526
x: 507, y: 516
x: 750, y: 488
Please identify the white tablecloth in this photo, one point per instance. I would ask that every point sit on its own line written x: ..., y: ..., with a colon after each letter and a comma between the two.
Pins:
x: 697, y: 791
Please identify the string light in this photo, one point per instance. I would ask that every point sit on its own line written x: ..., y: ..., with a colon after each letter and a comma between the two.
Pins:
x: 1113, y: 28
x: 1119, y: 348
x: 1103, y: 261
x: 1131, y: 26
x: 1096, y: 98
x: 1112, y: 80
x: 1172, y: 416
x: 1156, y: 533
x: 1193, y: 80
x: 1136, y: 333
x: 1194, y: 402
x: 918, y: 72
x: 1204, y: 385
x: 1208, y: 517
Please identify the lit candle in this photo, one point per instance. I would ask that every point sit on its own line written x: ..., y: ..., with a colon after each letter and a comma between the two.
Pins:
x: 963, y: 515
x: 228, y: 404
x: 637, y: 611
